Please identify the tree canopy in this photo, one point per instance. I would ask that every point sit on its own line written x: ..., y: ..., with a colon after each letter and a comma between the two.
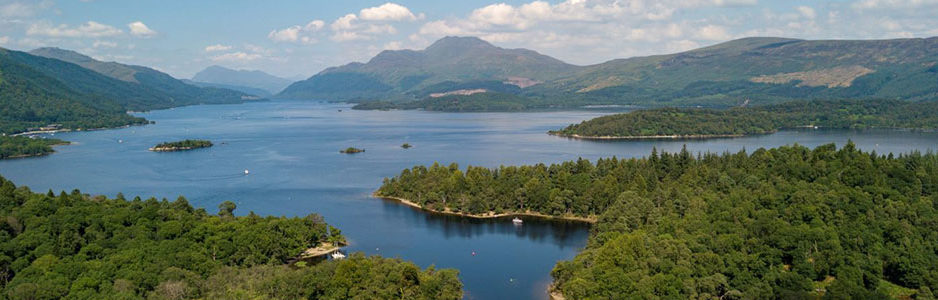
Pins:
x: 790, y: 222
x: 703, y: 122
x: 76, y: 246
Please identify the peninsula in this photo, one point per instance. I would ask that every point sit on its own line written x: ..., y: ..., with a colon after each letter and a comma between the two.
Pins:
x: 700, y: 123
x: 23, y: 146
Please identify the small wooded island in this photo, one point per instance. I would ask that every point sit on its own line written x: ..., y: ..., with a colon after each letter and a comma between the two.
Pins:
x: 181, y: 145
x: 351, y: 150
x: 665, y: 123
x: 21, y: 146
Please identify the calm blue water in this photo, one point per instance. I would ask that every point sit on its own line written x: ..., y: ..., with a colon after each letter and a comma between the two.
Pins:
x: 291, y: 149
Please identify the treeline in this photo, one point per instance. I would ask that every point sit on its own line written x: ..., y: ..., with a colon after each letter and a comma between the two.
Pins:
x: 789, y: 223
x: 21, y: 146
x: 480, y: 102
x: 183, y: 145
x: 81, y: 247
x: 760, y: 119
x: 30, y: 99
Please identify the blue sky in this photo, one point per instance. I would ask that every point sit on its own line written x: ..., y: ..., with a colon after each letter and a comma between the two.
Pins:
x: 292, y: 38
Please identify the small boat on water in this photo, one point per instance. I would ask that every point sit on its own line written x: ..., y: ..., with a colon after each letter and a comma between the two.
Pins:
x: 338, y: 255
x: 246, y: 172
x: 517, y: 221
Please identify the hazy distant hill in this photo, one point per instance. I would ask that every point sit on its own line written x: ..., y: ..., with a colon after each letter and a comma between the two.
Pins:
x: 135, y: 87
x: 242, y: 78
x: 762, y: 70
x: 452, y: 62
x: 244, y: 89
x: 30, y: 97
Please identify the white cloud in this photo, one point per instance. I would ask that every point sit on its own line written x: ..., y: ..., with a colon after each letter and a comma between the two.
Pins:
x: 314, y: 25
x: 4, y: 40
x: 104, y: 44
x: 141, y: 30
x: 297, y: 33
x: 344, y: 22
x: 393, y: 46
x: 892, y: 4
x: 236, y: 57
x: 217, y: 48
x: 387, y: 12
x: 713, y: 33
x: 807, y: 12
x: 289, y: 34
x: 345, y: 36
x: 89, y: 29
x: 17, y: 9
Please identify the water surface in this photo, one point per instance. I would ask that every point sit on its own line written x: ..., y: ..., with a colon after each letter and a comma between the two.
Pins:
x: 292, y: 151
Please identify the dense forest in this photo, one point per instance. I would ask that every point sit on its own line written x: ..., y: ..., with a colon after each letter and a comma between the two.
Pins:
x: 785, y: 223
x: 182, y: 145
x: 480, y: 102
x: 846, y: 114
x: 21, y: 146
x: 76, y: 246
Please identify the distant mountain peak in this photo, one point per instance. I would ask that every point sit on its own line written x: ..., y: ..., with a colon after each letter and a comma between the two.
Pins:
x: 244, y: 78
x: 458, y: 43
x: 62, y: 54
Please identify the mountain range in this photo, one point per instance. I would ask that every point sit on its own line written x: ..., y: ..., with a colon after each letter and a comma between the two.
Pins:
x: 51, y: 85
x: 452, y: 63
x: 243, y: 80
x: 751, y: 70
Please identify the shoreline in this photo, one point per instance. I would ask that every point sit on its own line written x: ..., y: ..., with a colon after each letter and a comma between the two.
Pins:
x: 647, y: 137
x: 320, y: 250
x: 174, y: 149
x: 488, y: 215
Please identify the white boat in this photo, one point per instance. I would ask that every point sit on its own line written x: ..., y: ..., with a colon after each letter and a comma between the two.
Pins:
x: 338, y: 255
x: 246, y: 172
x: 517, y: 221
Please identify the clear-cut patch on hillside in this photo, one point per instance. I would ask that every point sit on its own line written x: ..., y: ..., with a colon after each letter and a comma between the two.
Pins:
x: 831, y: 78
x: 610, y: 81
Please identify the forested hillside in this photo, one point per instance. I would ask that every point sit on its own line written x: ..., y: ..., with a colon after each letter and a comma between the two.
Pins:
x: 701, y: 122
x: 30, y: 98
x: 760, y: 70
x: 785, y: 223
x: 75, y: 246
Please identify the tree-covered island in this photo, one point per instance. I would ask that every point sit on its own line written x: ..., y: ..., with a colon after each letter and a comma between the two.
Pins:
x: 22, y: 146
x: 785, y: 223
x: 181, y: 145
x: 351, y: 150
x: 75, y: 246
x: 741, y: 121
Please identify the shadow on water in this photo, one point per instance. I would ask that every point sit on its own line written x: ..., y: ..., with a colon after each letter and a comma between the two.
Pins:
x: 535, y: 229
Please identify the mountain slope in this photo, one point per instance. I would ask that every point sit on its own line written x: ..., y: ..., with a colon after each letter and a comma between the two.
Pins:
x: 135, y: 87
x: 764, y: 69
x: 31, y: 98
x: 242, y: 78
x: 244, y: 89
x: 407, y: 74
x: 759, y: 69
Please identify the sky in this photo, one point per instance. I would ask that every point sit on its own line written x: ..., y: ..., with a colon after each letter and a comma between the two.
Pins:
x: 296, y: 39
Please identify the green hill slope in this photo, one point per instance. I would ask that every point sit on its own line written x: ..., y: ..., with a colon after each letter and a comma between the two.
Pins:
x: 136, y: 87
x: 406, y: 74
x: 30, y: 98
x: 761, y: 70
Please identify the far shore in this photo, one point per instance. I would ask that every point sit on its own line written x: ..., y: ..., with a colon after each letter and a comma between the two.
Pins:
x: 647, y: 137
x: 488, y: 215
